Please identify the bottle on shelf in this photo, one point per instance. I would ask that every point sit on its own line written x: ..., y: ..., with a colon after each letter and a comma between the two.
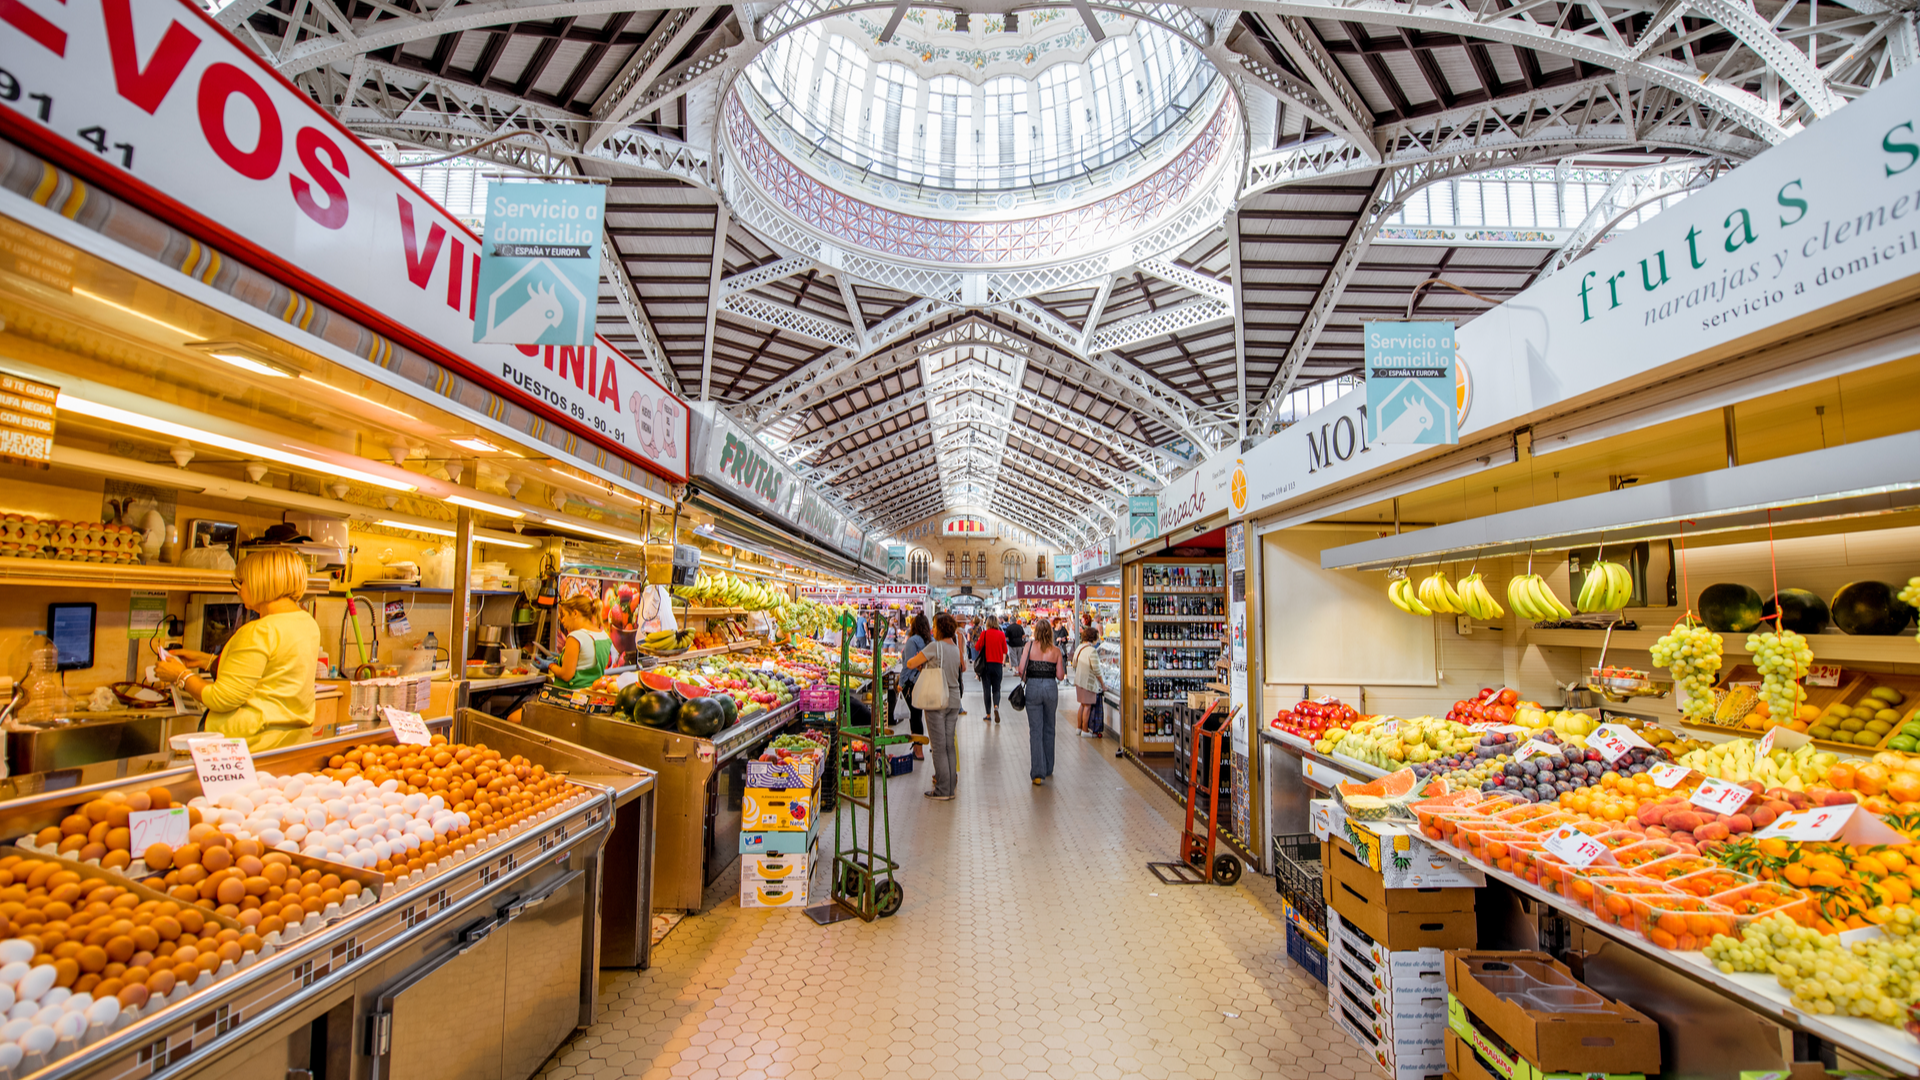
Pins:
x: 46, y: 696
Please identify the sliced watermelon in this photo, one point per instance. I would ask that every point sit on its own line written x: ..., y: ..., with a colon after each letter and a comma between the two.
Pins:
x: 656, y: 682
x: 690, y: 690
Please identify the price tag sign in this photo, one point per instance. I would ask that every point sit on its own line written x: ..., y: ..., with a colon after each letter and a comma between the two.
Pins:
x: 1849, y: 823
x: 408, y: 727
x: 224, y: 765
x: 1822, y: 675
x: 1668, y: 775
x: 1615, y: 741
x: 1388, y: 728
x: 1574, y: 847
x: 1720, y: 796
x: 1534, y: 748
x: 1766, y: 742
x: 151, y: 827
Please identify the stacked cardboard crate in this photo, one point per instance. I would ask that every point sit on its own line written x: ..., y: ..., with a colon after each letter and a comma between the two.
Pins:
x: 1391, y: 917
x: 778, y: 838
x: 1523, y: 1016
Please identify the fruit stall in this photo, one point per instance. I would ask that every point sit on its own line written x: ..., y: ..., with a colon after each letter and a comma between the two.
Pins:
x: 324, y: 910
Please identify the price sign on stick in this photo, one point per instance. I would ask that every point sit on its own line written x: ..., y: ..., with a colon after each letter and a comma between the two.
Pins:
x: 1849, y: 824
x: 1615, y: 741
x: 151, y: 827
x: 224, y: 765
x: 1534, y: 748
x: 1668, y: 775
x: 407, y: 727
x: 1720, y: 796
x: 1573, y: 847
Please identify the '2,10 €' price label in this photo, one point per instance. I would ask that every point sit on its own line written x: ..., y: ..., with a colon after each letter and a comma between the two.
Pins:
x: 224, y: 765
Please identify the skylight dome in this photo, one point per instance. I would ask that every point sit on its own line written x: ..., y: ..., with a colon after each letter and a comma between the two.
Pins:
x: 1049, y: 149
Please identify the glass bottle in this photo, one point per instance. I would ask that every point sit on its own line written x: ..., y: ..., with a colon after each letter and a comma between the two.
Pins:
x: 46, y: 698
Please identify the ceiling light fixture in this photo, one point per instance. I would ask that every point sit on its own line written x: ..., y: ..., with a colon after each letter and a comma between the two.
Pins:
x: 476, y: 504
x: 240, y: 446
x: 560, y: 523
x: 415, y: 528
x: 475, y: 444
x: 503, y: 542
x: 246, y: 358
x: 97, y: 298
x: 357, y: 397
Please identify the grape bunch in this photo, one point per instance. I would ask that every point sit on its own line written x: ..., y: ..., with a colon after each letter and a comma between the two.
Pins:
x: 1876, y: 979
x: 1692, y: 653
x: 1783, y: 658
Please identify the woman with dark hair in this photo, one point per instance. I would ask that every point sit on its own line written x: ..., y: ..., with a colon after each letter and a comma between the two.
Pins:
x: 1086, y: 680
x: 992, y: 650
x: 919, y: 636
x: 944, y: 654
x: 1040, y: 668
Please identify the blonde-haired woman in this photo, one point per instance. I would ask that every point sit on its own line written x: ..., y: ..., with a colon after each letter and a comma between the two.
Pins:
x: 264, y: 690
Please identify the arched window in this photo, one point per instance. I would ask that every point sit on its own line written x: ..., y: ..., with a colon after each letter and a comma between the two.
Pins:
x: 1010, y: 564
x: 948, y: 568
x: 917, y: 564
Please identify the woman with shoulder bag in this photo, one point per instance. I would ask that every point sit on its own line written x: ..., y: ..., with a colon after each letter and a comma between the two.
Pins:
x: 937, y: 693
x: 919, y: 636
x: 1040, y: 668
x: 1086, y: 680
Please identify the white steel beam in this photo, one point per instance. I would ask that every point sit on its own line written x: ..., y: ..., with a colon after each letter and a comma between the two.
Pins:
x: 615, y: 108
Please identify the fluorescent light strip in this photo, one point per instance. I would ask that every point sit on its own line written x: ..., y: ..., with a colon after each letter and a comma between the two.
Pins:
x: 239, y: 446
x: 476, y: 504
x: 559, y: 524
x: 476, y: 444
x: 248, y: 363
x: 416, y: 528
x: 502, y: 541
x: 97, y: 298
x: 356, y: 397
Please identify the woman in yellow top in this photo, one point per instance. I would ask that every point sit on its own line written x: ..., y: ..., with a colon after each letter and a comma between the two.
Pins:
x: 265, y: 690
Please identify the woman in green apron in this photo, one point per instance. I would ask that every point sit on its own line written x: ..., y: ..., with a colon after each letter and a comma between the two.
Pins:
x: 586, y: 654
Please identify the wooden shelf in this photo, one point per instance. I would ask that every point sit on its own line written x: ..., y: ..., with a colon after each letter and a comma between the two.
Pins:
x: 1184, y: 618
x: 1206, y: 591
x: 61, y: 573
x: 1827, y: 648
x: 713, y: 612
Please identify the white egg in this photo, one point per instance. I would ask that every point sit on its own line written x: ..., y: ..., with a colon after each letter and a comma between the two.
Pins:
x: 104, y: 1011
x: 23, y: 1010
x: 233, y: 800
x: 317, y: 851
x: 10, y: 1055
x: 15, y: 970
x: 272, y: 837
x: 15, y: 951
x: 230, y: 819
x: 39, y: 1039
x: 397, y: 821
x: 338, y: 808
x: 77, y: 1003
x: 48, y: 1014
x: 56, y: 996
x: 411, y: 841
x: 335, y: 828
x: 13, y: 1029
x: 462, y: 818
x: 437, y: 804
x: 293, y: 786
x: 389, y: 784
x: 412, y: 803
x: 70, y: 1025
x: 200, y: 803
x: 6, y: 997
x: 380, y: 850
x: 288, y: 846
x: 333, y: 843
x: 37, y: 982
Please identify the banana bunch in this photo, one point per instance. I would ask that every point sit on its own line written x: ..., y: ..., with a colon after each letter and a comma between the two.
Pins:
x: 721, y: 589
x: 1478, y: 601
x: 1911, y: 595
x: 1530, y: 596
x: 1437, y: 595
x: 1608, y: 588
x: 666, y: 641
x: 1400, y: 591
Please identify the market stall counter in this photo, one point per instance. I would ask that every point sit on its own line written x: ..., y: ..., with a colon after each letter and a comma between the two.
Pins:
x: 504, y: 919
x: 700, y: 780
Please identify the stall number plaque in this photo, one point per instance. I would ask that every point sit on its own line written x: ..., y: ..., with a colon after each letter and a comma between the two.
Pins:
x: 1720, y: 796
x: 408, y: 727
x: 151, y: 827
x: 1573, y: 847
x: 224, y: 765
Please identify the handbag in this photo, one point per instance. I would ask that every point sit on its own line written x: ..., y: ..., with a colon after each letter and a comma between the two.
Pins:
x: 1018, y: 699
x: 931, y: 693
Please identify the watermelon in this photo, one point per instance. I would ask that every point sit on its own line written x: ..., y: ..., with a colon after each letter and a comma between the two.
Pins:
x: 1730, y: 609
x: 689, y: 690
x: 656, y: 708
x: 623, y: 701
x: 656, y: 682
x: 1870, y: 608
x: 729, y: 706
x: 1800, y: 611
x: 700, y: 717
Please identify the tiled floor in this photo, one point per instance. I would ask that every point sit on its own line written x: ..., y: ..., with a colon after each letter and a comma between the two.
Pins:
x: 1033, y: 941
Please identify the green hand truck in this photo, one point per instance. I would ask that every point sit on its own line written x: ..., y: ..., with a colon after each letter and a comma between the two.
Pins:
x: 862, y: 873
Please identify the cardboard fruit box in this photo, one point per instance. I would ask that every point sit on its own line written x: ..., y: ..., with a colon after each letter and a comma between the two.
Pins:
x: 764, y: 809
x: 1520, y: 1008
x: 1400, y: 919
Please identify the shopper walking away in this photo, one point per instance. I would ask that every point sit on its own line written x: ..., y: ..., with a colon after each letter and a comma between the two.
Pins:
x: 1016, y: 639
x: 1040, y: 668
x: 1086, y: 680
x: 992, y: 649
x: 945, y: 655
x: 962, y: 640
x: 919, y: 636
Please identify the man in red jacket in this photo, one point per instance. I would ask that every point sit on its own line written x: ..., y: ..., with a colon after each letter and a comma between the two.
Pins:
x: 990, y: 647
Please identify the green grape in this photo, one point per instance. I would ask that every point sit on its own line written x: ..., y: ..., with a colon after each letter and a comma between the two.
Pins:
x: 1782, y: 659
x: 1693, y: 653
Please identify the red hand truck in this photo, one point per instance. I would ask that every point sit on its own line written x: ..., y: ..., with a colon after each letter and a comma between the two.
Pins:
x: 1197, y: 848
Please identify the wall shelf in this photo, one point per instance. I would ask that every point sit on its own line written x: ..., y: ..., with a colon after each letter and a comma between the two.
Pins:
x: 60, y: 573
x: 1827, y: 648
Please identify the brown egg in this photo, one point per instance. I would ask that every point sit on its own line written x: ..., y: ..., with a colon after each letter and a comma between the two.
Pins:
x: 85, y: 984
x: 168, y: 927
x: 139, y: 801
x: 48, y: 837
x: 186, y: 973
x: 161, y: 983
x: 117, y: 860
x: 120, y: 948
x: 97, y: 810
x: 119, y: 838
x: 270, y: 924
x: 133, y: 995
x: 191, y: 920
x: 233, y: 890
x: 216, y: 858
x: 65, y: 971
x: 72, y: 844
x: 157, y: 856
x: 186, y: 854
x: 118, y: 814
x: 159, y: 798
x: 108, y: 987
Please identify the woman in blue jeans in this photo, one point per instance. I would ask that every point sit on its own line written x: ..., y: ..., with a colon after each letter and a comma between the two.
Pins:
x: 1041, y: 665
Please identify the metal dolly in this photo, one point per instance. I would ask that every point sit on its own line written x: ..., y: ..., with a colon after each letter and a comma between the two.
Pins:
x: 1196, y: 848
x: 862, y: 882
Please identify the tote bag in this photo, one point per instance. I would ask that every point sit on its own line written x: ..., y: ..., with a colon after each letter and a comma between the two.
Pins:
x: 931, y: 693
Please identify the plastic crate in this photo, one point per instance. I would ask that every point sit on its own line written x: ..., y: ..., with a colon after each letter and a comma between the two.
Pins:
x: 1306, y: 952
x: 1296, y: 874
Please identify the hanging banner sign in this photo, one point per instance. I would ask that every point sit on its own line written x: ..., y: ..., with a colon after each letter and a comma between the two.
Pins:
x: 1099, y: 594
x: 159, y: 106
x: 1046, y: 590
x: 1094, y: 558
x: 1143, y: 513
x: 1410, y: 384
x: 26, y: 421
x: 848, y: 594
x: 540, y: 265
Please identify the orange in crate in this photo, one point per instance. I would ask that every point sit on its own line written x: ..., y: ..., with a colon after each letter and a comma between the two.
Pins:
x: 1686, y: 923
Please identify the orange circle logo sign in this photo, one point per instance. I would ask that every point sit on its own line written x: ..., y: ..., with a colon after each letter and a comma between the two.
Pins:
x: 1462, y: 386
x: 1238, y: 490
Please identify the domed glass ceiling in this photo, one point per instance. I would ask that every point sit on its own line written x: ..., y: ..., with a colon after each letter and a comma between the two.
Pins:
x: 983, y: 112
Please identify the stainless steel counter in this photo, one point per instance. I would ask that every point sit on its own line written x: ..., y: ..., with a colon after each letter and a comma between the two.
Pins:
x: 88, y: 738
